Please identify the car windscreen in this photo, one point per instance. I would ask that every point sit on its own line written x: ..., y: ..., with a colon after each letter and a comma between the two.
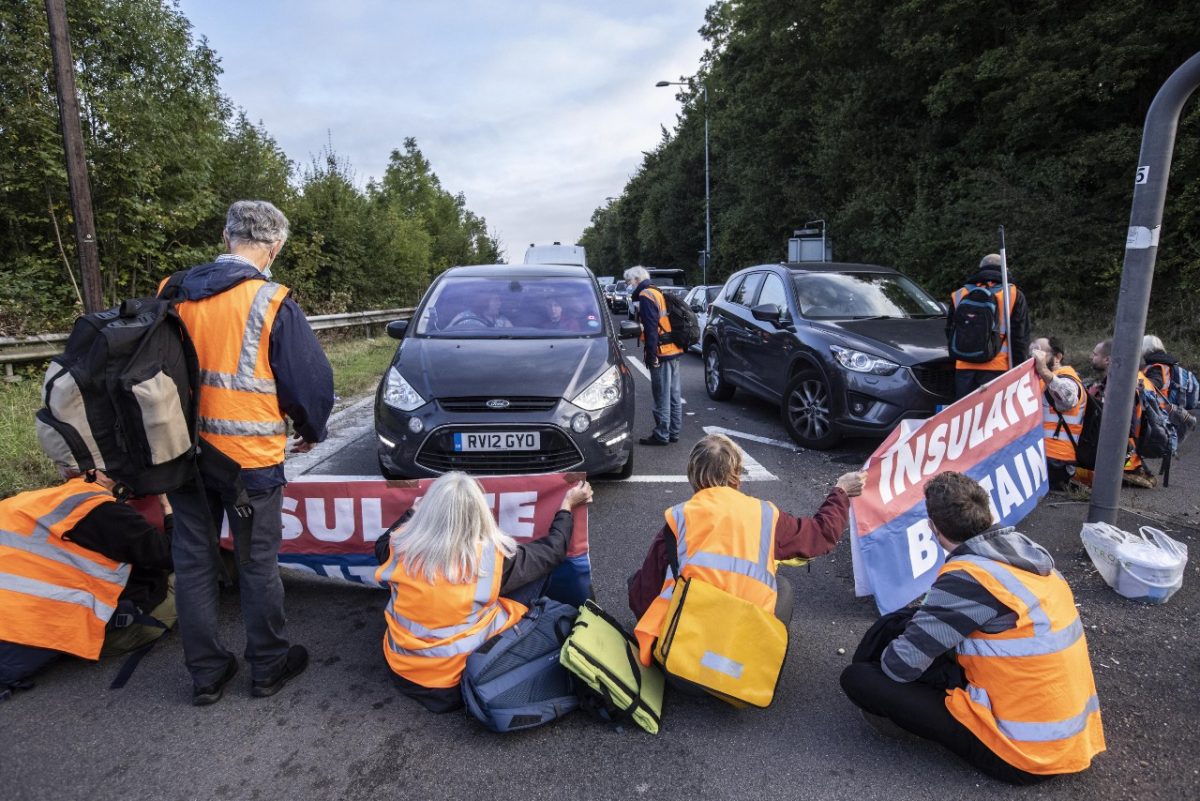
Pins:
x: 860, y: 295
x: 528, y: 308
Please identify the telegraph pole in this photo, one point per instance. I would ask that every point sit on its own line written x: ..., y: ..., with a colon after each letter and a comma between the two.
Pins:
x: 81, y: 193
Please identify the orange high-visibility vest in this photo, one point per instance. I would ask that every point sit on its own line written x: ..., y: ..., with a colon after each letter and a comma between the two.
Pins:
x: 455, y: 619
x: 664, y: 322
x: 1031, y: 698
x: 1058, y: 433
x: 725, y: 539
x: 53, y: 593
x: 239, y: 409
x: 1000, y: 360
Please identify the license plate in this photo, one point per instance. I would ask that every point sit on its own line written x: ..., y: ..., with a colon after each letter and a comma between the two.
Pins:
x: 497, y: 441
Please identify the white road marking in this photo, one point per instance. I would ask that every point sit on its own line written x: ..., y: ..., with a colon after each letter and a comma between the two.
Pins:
x: 778, y: 443
x: 641, y: 368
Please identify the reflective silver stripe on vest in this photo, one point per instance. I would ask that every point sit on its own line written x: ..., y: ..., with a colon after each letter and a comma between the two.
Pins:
x: 1024, y: 731
x: 722, y: 664
x: 53, y: 592
x: 732, y: 564
x: 459, y: 647
x: 479, y: 605
x: 53, y: 553
x: 43, y: 525
x: 680, y: 535
x: 1035, y: 612
x: 244, y: 379
x: 1023, y: 646
x: 240, y: 428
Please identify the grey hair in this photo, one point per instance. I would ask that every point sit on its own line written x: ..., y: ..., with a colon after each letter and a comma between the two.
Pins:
x: 990, y: 260
x: 1150, y: 344
x: 638, y: 274
x: 255, y: 222
x: 446, y: 532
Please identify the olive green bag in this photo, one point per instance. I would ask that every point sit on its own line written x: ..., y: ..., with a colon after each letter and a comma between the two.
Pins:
x: 614, y: 683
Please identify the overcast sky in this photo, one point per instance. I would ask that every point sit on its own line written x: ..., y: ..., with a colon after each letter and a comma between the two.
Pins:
x: 535, y: 111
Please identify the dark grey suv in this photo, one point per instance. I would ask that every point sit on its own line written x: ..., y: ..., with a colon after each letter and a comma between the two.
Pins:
x: 842, y: 348
x: 507, y: 369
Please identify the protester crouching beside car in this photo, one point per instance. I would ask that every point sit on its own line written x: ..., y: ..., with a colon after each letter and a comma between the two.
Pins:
x: 1019, y: 702
x: 661, y: 357
x: 720, y: 519
x: 456, y: 580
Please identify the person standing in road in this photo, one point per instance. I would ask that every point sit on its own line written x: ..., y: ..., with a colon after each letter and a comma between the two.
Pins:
x: 978, y: 330
x: 661, y: 356
x: 260, y: 363
x: 994, y: 664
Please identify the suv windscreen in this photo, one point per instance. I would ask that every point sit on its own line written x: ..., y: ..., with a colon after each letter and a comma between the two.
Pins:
x: 858, y: 295
x: 527, y: 308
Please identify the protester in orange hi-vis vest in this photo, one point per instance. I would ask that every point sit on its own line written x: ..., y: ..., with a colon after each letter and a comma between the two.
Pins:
x: 1136, y: 472
x: 979, y: 330
x: 456, y: 580
x: 260, y: 364
x: 1064, y: 402
x: 994, y: 664
x: 79, y: 574
x: 661, y: 356
x: 731, y: 540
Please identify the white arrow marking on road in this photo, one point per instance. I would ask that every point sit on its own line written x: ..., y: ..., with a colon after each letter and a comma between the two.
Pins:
x: 778, y: 443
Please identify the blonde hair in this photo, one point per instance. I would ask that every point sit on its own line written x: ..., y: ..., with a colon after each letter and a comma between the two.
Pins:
x: 715, y: 462
x: 450, y: 523
x: 1150, y: 344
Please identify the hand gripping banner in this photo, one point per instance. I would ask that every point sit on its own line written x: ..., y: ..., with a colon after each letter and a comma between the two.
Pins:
x: 994, y: 435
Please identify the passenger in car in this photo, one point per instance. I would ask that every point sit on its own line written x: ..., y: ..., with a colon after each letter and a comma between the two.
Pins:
x: 555, y: 319
x: 456, y: 580
x: 720, y: 519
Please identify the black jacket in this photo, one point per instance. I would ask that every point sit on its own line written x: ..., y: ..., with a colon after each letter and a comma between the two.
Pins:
x: 121, y: 533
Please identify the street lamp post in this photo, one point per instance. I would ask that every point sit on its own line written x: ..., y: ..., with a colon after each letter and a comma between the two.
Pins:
x: 707, y: 192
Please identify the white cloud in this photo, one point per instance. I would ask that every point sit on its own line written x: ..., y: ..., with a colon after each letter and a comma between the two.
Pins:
x: 534, y: 111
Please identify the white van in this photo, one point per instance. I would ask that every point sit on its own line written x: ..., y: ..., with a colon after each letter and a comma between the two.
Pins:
x: 557, y: 253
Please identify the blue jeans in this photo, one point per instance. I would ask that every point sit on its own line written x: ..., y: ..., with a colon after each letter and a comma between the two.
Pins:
x: 668, y: 399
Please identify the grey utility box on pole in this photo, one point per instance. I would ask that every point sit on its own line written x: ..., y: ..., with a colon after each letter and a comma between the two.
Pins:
x: 810, y: 243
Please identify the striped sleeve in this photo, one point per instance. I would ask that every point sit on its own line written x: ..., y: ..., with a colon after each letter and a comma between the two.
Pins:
x: 956, y: 606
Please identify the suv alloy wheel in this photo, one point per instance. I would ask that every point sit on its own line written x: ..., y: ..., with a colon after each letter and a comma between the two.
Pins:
x: 714, y: 380
x: 807, y: 413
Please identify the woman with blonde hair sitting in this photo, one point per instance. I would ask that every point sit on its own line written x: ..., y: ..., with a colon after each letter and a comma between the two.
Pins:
x: 455, y: 578
x: 731, y: 540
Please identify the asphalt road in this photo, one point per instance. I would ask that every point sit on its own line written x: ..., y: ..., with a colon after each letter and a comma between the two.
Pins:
x: 342, y: 731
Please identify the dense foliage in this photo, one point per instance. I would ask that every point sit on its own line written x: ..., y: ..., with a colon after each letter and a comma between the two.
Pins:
x: 915, y: 128
x: 167, y: 153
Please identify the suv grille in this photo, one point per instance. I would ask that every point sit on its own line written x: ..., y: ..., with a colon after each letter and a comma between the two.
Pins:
x: 936, y: 378
x: 515, y: 404
x: 558, y: 453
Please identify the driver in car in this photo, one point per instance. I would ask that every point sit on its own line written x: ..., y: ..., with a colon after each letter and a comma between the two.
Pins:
x: 484, y: 314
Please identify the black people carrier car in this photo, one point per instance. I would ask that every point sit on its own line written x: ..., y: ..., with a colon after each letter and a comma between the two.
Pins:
x: 507, y: 369
x: 842, y: 348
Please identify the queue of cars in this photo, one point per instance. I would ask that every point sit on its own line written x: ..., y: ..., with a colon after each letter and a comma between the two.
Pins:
x: 517, y: 369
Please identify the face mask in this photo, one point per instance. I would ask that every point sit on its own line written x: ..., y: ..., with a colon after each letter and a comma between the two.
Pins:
x: 267, y: 272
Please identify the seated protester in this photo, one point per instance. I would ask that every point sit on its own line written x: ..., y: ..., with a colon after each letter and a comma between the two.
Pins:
x: 1136, y: 472
x: 1027, y: 708
x: 1177, y: 388
x: 719, y: 519
x: 456, y: 580
x: 1062, y: 411
x: 76, y: 570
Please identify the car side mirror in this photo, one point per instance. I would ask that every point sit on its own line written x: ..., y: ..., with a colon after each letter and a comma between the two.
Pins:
x: 628, y: 330
x: 396, y: 329
x: 767, y: 313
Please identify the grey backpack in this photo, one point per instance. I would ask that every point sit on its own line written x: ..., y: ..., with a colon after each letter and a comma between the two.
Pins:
x: 514, y: 680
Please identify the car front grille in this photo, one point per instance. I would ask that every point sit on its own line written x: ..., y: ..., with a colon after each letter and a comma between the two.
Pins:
x: 557, y: 453
x: 936, y: 378
x: 515, y: 404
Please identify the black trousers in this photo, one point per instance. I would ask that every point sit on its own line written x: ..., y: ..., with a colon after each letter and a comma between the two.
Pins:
x: 967, y: 381
x: 919, y: 707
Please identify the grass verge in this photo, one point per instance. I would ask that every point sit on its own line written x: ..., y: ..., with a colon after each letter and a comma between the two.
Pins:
x: 357, y: 367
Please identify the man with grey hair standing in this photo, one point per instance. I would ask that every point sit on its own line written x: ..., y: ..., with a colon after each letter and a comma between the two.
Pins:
x: 661, y: 357
x: 259, y: 363
x: 978, y: 329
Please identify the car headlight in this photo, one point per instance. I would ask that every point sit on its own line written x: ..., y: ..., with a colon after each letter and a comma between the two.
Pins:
x: 399, y: 394
x: 861, y: 362
x: 601, y: 393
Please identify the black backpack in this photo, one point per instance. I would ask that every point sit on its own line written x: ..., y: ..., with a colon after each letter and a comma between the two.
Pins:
x: 1156, y: 438
x: 514, y: 680
x: 685, y: 326
x: 1089, y: 435
x: 123, y: 396
x: 974, y: 328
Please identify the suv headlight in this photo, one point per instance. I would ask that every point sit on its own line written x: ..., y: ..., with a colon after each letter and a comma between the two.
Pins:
x: 861, y: 362
x: 399, y: 394
x: 601, y: 393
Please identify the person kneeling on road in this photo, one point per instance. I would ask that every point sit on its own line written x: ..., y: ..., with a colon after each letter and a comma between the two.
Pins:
x: 1062, y: 414
x: 456, y: 580
x: 720, y: 520
x: 1020, y: 701
x: 80, y: 574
